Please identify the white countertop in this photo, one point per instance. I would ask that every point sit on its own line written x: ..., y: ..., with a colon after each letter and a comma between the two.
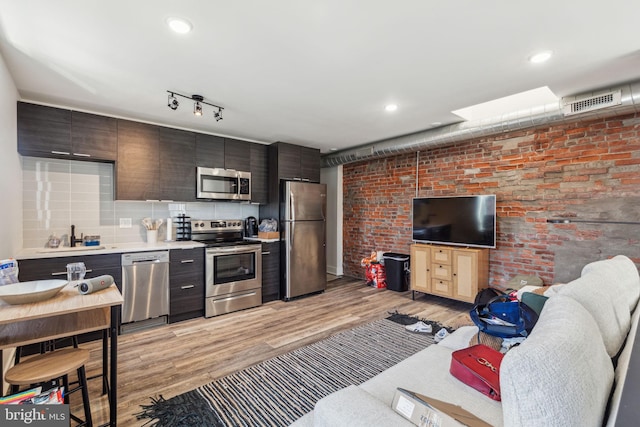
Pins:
x: 117, y: 248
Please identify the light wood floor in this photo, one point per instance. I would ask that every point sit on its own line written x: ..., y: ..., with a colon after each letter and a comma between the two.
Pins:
x: 172, y: 359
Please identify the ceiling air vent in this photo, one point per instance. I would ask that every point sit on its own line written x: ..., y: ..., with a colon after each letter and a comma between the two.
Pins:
x: 582, y: 104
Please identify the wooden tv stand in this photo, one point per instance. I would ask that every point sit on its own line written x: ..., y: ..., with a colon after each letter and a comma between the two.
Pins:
x: 449, y: 271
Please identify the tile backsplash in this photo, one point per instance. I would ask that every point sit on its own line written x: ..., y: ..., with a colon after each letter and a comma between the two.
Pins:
x: 58, y: 193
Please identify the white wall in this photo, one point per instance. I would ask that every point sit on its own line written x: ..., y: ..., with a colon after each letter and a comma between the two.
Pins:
x: 333, y: 178
x: 10, y: 169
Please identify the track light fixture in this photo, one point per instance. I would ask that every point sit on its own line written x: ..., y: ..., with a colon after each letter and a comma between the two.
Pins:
x: 172, y: 102
x: 197, y: 105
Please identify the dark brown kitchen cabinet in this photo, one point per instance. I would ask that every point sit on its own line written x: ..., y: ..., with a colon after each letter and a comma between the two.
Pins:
x: 259, y: 174
x: 236, y: 155
x: 94, y: 137
x: 138, y: 166
x: 288, y: 162
x: 177, y: 159
x: 294, y: 162
x: 270, y: 271
x: 186, y: 284
x: 310, y: 164
x: 209, y: 151
x: 59, y: 133
x: 43, y: 131
x: 56, y: 268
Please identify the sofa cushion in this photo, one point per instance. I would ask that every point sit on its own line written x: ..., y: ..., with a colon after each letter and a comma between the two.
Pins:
x: 622, y: 368
x: 561, y: 375
x: 427, y: 373
x: 354, y: 407
x: 620, y: 276
x: 612, y: 316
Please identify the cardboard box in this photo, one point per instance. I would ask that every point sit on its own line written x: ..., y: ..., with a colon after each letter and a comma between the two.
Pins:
x: 426, y: 411
x: 268, y: 234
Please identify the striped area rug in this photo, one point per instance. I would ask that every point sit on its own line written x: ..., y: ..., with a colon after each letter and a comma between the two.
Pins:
x: 278, y: 391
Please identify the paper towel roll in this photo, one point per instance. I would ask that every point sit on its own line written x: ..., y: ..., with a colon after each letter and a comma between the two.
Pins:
x: 169, y: 229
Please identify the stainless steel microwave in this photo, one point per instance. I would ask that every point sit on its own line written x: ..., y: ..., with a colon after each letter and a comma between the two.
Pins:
x: 223, y: 184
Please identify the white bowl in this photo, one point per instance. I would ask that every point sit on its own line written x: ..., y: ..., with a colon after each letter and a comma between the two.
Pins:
x: 28, y: 292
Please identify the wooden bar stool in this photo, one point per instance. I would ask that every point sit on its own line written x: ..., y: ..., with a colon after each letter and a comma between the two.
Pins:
x: 50, y: 366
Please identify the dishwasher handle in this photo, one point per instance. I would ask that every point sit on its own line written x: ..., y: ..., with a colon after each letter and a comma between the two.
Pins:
x: 154, y: 257
x: 146, y: 261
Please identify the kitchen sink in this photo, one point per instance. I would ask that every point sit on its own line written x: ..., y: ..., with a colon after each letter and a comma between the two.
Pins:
x: 68, y: 249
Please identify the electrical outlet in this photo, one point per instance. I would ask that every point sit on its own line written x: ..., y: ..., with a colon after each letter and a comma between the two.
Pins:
x: 125, y: 222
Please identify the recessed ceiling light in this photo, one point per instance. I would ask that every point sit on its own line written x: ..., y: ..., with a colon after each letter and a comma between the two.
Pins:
x: 435, y: 124
x: 540, y: 57
x: 179, y: 25
x: 333, y: 149
x: 391, y: 107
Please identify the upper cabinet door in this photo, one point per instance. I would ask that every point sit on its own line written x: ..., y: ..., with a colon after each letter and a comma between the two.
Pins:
x: 310, y: 164
x: 209, y: 151
x: 177, y: 165
x: 288, y: 161
x: 43, y: 131
x: 94, y: 137
x: 236, y: 155
x: 298, y: 163
x: 138, y: 166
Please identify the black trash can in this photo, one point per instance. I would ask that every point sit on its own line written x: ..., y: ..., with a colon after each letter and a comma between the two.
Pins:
x: 397, y: 269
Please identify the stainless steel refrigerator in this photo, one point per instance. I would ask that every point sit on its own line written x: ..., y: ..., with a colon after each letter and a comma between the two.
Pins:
x: 303, y: 218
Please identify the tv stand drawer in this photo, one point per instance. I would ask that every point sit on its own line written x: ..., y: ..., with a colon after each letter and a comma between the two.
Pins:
x: 441, y: 271
x: 442, y: 287
x: 441, y: 256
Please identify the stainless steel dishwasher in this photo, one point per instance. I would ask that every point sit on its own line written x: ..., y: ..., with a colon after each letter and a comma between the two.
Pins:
x: 145, y: 290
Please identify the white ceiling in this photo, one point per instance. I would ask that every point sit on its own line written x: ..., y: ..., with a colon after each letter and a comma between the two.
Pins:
x: 315, y: 73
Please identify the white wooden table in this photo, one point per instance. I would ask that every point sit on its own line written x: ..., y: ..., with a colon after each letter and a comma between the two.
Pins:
x: 68, y: 313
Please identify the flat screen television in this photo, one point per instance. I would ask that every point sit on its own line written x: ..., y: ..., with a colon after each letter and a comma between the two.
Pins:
x: 455, y: 220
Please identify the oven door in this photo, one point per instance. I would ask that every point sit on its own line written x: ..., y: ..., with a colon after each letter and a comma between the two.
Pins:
x: 223, y: 184
x: 233, y: 269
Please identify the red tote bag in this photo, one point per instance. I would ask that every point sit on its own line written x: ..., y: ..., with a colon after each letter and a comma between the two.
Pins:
x: 478, y: 366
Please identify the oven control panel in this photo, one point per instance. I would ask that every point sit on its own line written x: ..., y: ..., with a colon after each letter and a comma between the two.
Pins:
x: 216, y: 225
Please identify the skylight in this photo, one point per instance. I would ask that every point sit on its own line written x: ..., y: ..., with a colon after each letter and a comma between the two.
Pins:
x: 509, y: 104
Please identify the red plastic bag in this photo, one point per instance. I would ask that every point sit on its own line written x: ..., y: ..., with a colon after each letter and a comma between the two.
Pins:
x: 375, y: 275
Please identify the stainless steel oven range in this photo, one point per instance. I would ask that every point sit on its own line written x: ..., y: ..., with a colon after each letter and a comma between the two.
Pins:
x: 233, y: 267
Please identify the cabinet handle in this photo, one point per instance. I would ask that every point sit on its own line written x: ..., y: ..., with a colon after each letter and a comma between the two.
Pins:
x: 187, y: 286
x: 64, y: 153
x: 64, y: 273
x: 266, y: 253
x: 82, y: 155
x: 186, y: 261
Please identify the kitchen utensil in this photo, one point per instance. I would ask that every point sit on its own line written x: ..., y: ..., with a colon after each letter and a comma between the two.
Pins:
x: 148, y: 224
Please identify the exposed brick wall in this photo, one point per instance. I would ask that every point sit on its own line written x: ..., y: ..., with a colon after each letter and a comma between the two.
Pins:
x: 587, y: 170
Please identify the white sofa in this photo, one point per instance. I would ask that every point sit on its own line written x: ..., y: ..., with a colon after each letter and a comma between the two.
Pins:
x: 569, y: 372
